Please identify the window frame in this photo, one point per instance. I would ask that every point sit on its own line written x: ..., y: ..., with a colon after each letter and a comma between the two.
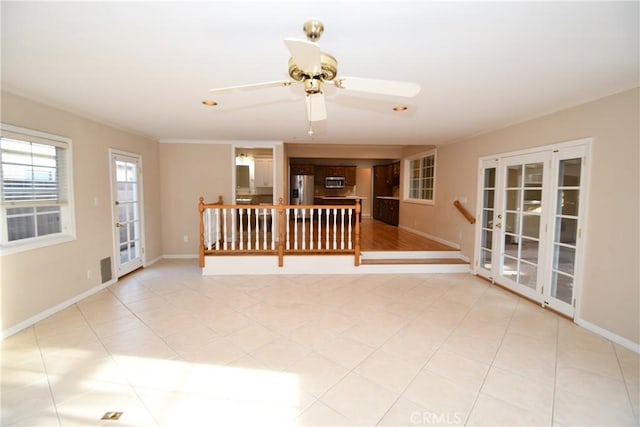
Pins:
x: 407, y: 178
x: 67, y: 208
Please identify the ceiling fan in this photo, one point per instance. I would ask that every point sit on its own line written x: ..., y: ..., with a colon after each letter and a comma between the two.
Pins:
x: 313, y: 68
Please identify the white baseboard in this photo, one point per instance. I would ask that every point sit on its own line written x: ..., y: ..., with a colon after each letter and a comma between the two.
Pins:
x: 181, y: 256
x: 53, y: 310
x: 624, y: 342
x: 431, y: 237
x: 153, y: 261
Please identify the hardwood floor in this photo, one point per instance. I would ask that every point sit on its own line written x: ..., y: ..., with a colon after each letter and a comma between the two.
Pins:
x: 374, y: 236
x: 378, y: 236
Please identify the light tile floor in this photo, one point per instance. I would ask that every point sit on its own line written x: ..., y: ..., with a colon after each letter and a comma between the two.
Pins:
x: 169, y: 347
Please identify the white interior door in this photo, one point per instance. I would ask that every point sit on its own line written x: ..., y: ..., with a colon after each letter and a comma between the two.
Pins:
x: 529, y: 228
x: 126, y: 171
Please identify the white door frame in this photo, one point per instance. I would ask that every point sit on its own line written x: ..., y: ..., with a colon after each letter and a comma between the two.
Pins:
x: 113, y: 154
x: 545, y: 257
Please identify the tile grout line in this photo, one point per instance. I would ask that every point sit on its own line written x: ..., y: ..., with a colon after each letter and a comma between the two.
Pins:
x: 111, y: 356
x: 352, y: 370
x: 46, y: 373
x: 624, y: 380
x: 493, y: 359
x: 555, y: 373
x: 430, y: 357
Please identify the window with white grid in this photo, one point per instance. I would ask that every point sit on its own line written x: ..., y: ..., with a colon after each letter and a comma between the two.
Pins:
x: 421, y: 179
x: 35, y: 190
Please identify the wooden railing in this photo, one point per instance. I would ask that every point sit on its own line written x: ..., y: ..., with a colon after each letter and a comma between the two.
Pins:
x: 279, y: 229
x: 464, y: 212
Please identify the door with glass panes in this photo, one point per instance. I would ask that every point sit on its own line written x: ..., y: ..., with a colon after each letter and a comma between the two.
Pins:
x: 530, y: 222
x: 126, y: 184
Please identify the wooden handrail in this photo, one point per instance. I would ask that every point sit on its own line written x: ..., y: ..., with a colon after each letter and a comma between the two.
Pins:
x: 282, y: 235
x: 464, y: 212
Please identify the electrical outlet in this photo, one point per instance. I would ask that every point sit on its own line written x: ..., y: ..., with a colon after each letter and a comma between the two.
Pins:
x: 186, y: 238
x: 89, y: 274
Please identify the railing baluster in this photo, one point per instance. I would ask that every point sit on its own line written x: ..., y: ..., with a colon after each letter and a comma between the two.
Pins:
x: 349, y: 240
x: 256, y: 214
x: 273, y: 229
x: 264, y: 228
x: 311, y: 213
x: 304, y: 217
x: 335, y: 227
x: 234, y: 215
x: 218, y: 231
x: 327, y: 213
x: 224, y: 227
x: 295, y: 229
x: 207, y: 229
x: 240, y: 226
x: 287, y: 230
x: 248, y: 232
x: 342, y: 218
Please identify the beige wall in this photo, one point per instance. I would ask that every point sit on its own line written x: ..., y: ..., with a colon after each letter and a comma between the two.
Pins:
x: 611, y: 289
x: 37, y: 280
x: 190, y: 171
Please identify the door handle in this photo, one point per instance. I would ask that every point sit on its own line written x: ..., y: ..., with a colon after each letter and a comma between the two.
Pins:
x: 118, y: 225
x: 499, y: 225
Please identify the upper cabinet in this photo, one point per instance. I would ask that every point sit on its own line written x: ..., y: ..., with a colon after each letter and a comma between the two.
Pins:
x: 348, y: 172
x: 263, y: 172
x: 302, y: 170
x: 350, y: 175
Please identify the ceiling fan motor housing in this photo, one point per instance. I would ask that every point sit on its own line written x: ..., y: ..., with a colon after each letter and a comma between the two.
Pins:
x: 328, y: 69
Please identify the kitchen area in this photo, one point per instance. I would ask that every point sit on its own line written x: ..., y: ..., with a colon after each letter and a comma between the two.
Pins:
x: 343, y: 181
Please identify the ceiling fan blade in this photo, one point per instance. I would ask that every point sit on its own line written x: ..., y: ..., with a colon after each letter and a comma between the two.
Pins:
x: 316, y: 109
x: 383, y: 87
x: 305, y: 54
x: 242, y: 88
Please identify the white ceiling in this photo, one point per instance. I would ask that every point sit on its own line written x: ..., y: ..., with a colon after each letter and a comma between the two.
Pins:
x: 146, y: 66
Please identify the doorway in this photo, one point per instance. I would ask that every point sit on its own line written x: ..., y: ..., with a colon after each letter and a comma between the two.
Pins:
x: 126, y: 195
x: 529, y: 237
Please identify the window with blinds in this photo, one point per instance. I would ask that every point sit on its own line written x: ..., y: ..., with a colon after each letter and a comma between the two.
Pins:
x: 422, y: 177
x: 35, y: 187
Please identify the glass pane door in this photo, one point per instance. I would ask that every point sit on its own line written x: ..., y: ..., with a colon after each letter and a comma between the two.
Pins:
x: 488, y: 183
x: 565, y: 229
x: 519, y: 223
x: 528, y: 235
x: 127, y: 214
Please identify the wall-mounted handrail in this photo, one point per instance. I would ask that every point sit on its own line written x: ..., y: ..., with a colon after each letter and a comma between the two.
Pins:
x: 464, y: 212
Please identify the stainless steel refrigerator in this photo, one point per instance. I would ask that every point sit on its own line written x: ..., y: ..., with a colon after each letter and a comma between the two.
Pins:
x: 302, y: 192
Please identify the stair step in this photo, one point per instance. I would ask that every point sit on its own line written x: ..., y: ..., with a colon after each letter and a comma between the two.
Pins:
x: 413, y: 261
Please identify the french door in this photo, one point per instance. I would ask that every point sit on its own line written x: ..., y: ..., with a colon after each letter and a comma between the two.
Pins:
x: 126, y: 193
x: 530, y: 222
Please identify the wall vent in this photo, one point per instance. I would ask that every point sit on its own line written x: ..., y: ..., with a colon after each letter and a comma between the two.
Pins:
x: 105, y: 269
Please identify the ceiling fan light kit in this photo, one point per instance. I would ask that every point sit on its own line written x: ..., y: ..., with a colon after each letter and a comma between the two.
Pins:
x: 313, y: 68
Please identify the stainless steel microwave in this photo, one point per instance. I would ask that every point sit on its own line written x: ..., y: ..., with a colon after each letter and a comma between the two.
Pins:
x: 334, y: 182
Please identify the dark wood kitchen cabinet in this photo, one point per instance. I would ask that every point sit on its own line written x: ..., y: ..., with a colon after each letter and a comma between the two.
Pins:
x: 302, y: 170
x: 387, y: 210
x: 348, y: 172
x: 386, y: 180
x: 350, y: 175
